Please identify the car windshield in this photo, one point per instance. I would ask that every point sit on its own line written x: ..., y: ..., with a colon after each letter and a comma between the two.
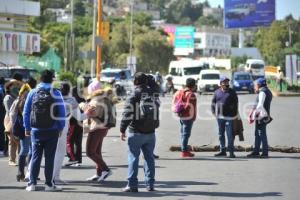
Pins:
x: 192, y: 70
x: 210, y: 76
x: 242, y: 77
x: 257, y: 66
x: 115, y: 75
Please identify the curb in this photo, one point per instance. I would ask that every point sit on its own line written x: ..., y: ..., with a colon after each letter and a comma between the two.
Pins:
x: 278, y: 94
x: 206, y: 148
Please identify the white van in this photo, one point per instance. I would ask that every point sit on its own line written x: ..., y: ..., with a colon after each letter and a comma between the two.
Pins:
x: 209, y: 81
x: 256, y: 68
x: 184, y: 69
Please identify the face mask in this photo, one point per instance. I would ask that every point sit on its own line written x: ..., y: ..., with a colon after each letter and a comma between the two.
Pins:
x: 225, y: 87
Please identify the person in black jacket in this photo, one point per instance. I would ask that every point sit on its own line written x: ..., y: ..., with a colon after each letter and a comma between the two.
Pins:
x: 141, y: 123
x: 225, y: 108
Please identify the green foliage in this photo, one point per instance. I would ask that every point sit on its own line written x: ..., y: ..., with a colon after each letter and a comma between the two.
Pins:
x: 207, y: 21
x: 67, y: 76
x: 179, y: 10
x: 153, y: 52
x: 79, y: 8
x: 272, y: 41
x: 236, y: 60
x: 140, y: 18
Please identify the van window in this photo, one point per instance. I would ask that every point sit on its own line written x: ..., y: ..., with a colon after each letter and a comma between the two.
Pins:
x: 210, y: 77
x: 173, y: 72
x: 192, y: 70
x: 257, y: 66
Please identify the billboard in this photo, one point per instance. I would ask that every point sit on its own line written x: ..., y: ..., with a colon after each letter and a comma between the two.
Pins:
x: 184, y: 40
x: 248, y: 13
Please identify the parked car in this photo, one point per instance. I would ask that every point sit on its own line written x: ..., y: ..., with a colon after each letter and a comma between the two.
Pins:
x: 240, y: 11
x: 242, y: 81
x: 209, y: 81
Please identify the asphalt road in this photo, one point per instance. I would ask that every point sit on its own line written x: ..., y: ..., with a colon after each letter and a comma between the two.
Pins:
x: 203, y: 177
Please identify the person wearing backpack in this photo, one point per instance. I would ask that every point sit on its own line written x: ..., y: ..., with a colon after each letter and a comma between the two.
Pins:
x: 102, y: 116
x: 224, y: 107
x: 185, y: 105
x: 72, y: 110
x: 18, y: 130
x: 44, y: 119
x: 140, y: 117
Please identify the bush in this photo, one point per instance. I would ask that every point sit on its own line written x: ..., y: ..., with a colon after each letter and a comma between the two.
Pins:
x: 67, y: 76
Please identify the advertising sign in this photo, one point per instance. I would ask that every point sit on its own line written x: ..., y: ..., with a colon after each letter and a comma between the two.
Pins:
x: 248, y: 13
x: 19, y: 42
x: 184, y: 39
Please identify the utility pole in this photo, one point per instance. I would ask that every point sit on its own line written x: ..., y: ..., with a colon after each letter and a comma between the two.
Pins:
x: 99, y: 33
x: 93, y: 38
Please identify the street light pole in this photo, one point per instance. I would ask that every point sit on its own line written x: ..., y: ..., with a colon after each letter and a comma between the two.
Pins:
x: 93, y: 38
x: 131, y: 30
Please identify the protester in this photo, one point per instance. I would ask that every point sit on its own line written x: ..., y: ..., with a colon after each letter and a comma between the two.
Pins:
x: 225, y: 109
x: 101, y: 109
x: 72, y: 109
x: 44, y: 119
x: 140, y: 117
x: 18, y: 130
x: 3, y: 148
x: 12, y: 91
x: 74, y: 137
x: 261, y: 116
x: 185, y: 105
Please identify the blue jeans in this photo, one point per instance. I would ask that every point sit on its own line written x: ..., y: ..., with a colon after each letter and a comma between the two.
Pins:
x: 226, y: 125
x: 47, y: 144
x: 261, y: 137
x: 136, y: 143
x: 185, y: 130
x: 25, y: 150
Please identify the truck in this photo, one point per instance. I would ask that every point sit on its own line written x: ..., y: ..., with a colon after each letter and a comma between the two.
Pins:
x: 185, y: 68
x: 256, y: 68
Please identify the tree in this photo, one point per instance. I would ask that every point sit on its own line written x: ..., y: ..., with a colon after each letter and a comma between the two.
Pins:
x: 153, y: 52
x: 79, y: 8
x: 207, y: 21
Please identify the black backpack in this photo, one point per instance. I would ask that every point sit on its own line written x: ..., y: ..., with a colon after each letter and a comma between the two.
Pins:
x: 43, y: 110
x: 148, y: 114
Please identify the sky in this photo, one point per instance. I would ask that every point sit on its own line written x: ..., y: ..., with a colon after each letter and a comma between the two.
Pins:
x: 283, y: 7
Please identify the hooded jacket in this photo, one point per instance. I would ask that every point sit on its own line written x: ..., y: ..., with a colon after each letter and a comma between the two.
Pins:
x: 96, y: 107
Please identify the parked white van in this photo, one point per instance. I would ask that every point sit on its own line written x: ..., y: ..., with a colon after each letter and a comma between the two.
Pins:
x: 209, y: 81
x: 183, y: 69
x: 256, y: 68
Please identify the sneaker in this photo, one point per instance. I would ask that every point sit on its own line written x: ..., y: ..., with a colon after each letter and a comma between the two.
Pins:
x: 129, y: 189
x: 264, y: 156
x: 253, y: 155
x: 232, y: 155
x: 104, y: 175
x: 70, y: 163
x: 59, y: 182
x: 52, y: 188
x: 12, y: 163
x: 30, y: 188
x: 150, y: 189
x: 221, y: 154
x: 155, y: 156
x: 93, y: 178
x: 187, y: 154
x: 77, y: 165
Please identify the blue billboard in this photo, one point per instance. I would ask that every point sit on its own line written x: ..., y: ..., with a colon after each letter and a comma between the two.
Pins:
x: 248, y: 13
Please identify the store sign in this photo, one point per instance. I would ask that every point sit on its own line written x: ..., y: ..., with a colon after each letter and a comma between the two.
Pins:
x: 19, y: 42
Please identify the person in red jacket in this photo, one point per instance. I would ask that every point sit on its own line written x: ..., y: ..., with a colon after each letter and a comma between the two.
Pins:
x: 187, y: 114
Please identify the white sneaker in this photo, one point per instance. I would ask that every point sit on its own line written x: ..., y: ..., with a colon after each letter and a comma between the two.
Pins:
x: 60, y: 182
x: 104, y: 175
x: 53, y: 188
x: 30, y: 188
x: 93, y: 178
